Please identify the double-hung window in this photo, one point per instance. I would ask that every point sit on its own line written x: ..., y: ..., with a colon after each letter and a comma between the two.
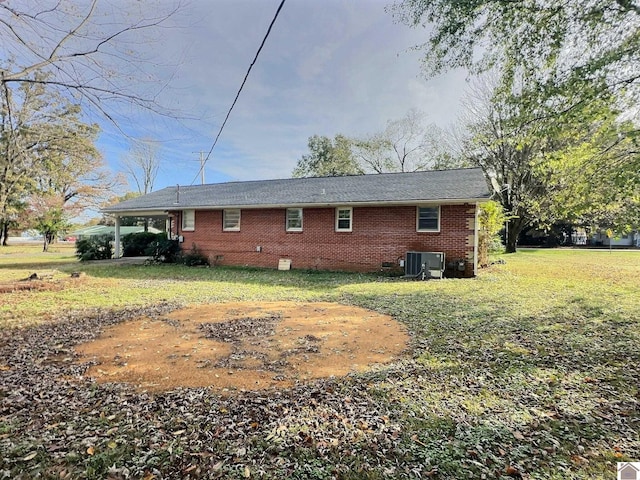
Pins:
x: 231, y: 220
x: 344, y: 219
x: 188, y: 220
x: 294, y: 220
x: 428, y: 219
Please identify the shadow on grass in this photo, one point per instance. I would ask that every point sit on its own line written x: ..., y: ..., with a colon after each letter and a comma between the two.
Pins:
x: 311, y: 279
x: 496, y: 392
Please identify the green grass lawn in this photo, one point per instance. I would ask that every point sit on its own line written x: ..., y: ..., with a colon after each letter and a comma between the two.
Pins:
x: 529, y: 370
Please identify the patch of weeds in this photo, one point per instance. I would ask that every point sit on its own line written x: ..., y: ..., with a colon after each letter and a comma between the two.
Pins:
x: 311, y: 468
x: 194, y: 258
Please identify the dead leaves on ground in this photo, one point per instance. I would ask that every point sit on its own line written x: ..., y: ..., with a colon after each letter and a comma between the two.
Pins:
x: 389, y: 423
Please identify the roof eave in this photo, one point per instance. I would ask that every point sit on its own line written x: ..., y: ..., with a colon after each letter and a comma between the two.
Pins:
x: 173, y: 207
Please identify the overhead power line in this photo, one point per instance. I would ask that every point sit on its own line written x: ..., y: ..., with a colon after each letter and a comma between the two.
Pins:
x: 202, y: 164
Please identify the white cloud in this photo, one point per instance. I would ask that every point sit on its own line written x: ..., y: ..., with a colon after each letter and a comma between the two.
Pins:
x: 328, y: 67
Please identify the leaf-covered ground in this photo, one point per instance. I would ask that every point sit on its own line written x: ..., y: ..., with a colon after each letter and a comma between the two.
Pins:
x: 528, y: 371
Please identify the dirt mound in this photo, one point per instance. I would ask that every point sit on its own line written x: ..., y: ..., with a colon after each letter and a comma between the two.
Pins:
x: 244, y: 346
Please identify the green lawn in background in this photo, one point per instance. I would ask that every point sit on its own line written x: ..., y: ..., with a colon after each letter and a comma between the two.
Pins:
x: 529, y: 370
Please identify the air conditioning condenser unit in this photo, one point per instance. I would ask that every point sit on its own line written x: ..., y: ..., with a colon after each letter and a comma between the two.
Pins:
x: 424, y: 264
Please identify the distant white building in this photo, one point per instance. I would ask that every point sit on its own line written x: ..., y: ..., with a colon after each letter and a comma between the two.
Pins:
x: 631, y: 239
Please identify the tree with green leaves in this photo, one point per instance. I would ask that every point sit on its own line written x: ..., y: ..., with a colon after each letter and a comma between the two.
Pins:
x: 565, y: 52
x: 328, y: 158
x: 566, y: 71
x: 594, y: 179
x: 22, y: 112
x: 502, y: 140
x: 47, y: 152
x: 48, y: 217
x: 491, y: 220
x: 542, y: 174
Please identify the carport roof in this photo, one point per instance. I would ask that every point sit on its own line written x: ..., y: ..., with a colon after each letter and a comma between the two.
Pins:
x: 438, y: 186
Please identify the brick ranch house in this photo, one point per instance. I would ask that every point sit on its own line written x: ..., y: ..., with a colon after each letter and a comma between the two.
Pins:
x: 357, y: 223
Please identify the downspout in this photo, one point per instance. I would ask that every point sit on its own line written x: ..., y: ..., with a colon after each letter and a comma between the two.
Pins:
x: 117, y: 253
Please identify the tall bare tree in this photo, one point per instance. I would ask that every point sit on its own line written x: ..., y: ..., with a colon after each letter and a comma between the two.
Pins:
x: 90, y: 51
x: 141, y: 164
x: 408, y: 144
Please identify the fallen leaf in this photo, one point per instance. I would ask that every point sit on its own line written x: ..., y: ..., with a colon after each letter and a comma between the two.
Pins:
x: 247, y: 472
x: 579, y: 459
x: 512, y: 471
x: 91, y: 450
x: 31, y: 456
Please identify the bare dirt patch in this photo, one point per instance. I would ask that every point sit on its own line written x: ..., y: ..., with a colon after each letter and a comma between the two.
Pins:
x: 244, y: 346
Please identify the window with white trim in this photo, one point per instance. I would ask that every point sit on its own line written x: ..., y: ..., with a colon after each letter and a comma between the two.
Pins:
x: 231, y: 220
x: 188, y: 220
x: 428, y: 219
x: 344, y: 217
x: 294, y: 219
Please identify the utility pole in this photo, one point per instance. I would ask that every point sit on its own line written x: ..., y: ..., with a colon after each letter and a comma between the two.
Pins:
x: 201, y: 166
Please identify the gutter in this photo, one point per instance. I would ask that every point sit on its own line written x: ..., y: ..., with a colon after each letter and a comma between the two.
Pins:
x: 162, y: 210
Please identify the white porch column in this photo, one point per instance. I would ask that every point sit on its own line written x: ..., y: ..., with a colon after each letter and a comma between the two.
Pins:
x: 117, y: 252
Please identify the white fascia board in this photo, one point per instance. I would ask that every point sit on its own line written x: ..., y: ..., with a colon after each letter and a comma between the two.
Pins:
x: 174, y: 207
x: 135, y: 213
x: 454, y: 201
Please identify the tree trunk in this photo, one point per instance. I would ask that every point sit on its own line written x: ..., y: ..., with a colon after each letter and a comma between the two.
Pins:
x: 47, y: 241
x: 4, y: 230
x: 514, y: 227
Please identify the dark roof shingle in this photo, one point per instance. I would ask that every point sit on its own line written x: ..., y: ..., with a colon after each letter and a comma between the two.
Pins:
x: 389, y: 188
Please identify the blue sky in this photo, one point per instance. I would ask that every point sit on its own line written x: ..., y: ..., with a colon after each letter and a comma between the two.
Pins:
x: 328, y: 67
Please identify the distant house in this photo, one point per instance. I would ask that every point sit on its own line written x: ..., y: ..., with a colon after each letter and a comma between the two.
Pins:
x: 357, y: 223
x: 630, y: 239
x: 102, y: 230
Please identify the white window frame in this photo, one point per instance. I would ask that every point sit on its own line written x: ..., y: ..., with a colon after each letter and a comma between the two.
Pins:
x: 418, y: 229
x: 234, y: 228
x: 185, y: 224
x: 338, y: 210
x: 288, y: 227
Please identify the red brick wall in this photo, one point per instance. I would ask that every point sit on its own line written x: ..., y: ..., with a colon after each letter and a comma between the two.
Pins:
x: 380, y: 234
